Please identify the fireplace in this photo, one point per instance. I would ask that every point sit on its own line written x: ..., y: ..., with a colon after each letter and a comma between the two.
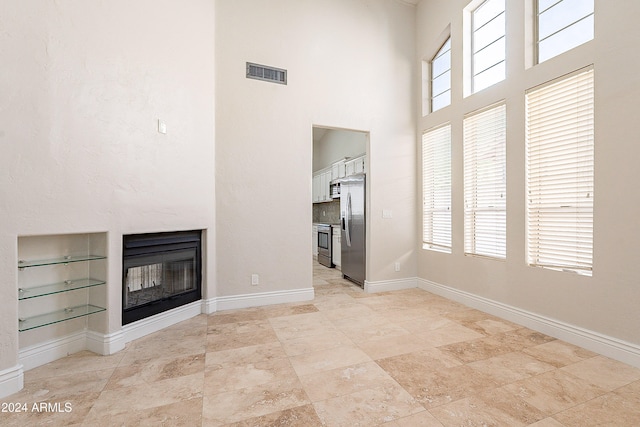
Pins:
x: 160, y: 271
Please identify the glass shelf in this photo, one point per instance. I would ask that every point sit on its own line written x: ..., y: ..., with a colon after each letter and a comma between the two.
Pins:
x: 56, y: 288
x: 57, y: 316
x: 62, y: 260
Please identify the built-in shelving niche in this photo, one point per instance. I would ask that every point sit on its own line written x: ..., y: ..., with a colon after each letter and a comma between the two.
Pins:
x: 62, y: 287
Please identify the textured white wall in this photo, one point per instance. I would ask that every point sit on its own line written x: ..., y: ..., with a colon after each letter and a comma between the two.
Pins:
x: 606, y: 303
x: 86, y: 82
x: 350, y: 66
x: 82, y: 86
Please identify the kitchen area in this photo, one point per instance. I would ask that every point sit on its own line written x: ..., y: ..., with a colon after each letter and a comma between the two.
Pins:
x: 339, y: 179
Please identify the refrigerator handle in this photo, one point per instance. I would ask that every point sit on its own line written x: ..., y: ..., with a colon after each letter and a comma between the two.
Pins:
x: 347, y: 225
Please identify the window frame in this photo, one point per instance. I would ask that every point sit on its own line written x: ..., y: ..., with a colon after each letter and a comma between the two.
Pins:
x: 538, y: 41
x: 473, y: 74
x: 439, y: 54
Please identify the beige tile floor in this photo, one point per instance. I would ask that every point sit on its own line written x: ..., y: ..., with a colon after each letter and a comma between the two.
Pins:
x: 402, y: 359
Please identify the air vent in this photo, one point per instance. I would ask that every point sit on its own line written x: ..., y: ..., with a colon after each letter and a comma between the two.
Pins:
x: 269, y: 74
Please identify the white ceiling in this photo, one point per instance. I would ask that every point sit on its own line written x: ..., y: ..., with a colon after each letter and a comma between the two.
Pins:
x: 318, y: 133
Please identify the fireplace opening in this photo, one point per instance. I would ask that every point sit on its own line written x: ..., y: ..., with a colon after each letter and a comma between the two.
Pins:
x: 160, y: 271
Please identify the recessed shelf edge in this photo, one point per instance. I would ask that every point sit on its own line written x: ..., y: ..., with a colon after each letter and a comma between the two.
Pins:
x: 61, y: 260
x: 57, y: 316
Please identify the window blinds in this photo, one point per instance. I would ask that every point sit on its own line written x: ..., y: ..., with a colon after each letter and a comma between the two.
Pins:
x: 560, y: 152
x: 485, y: 182
x: 436, y: 188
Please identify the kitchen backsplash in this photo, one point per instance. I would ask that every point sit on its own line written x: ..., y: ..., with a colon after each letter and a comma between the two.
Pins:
x: 328, y: 212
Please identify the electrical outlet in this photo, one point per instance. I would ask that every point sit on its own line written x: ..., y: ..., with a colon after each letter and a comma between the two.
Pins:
x: 255, y: 280
x: 397, y: 266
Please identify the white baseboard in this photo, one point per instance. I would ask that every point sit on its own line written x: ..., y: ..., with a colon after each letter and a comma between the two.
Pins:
x: 390, y: 285
x: 48, y: 351
x: 264, y: 298
x: 11, y: 381
x: 105, y: 344
x: 614, y: 348
x: 155, y: 323
x: 209, y: 306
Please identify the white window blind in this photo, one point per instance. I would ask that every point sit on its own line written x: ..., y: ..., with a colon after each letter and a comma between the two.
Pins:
x: 560, y: 141
x: 441, y: 77
x: 485, y: 182
x: 436, y: 189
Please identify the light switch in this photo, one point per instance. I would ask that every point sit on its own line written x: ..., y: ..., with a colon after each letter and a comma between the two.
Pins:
x: 162, y: 126
x: 387, y: 213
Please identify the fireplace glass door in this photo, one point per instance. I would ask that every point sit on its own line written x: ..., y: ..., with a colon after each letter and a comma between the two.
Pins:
x: 153, y: 278
x: 159, y: 274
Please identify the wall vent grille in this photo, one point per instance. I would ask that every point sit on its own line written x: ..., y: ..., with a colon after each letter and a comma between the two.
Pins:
x: 269, y: 74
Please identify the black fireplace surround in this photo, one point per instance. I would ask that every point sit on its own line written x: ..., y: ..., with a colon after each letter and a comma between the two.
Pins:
x: 160, y: 271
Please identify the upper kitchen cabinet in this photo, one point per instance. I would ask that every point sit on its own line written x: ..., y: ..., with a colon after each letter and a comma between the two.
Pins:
x: 322, y: 179
x: 356, y: 165
x: 338, y: 169
x: 321, y: 182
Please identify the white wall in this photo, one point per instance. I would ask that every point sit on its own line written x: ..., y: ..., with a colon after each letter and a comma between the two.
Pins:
x: 606, y: 303
x: 82, y: 86
x: 86, y: 82
x: 350, y: 66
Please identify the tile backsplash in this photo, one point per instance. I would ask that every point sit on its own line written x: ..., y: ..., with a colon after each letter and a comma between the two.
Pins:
x: 328, y: 212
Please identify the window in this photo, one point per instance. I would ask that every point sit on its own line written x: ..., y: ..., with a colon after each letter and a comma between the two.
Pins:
x: 488, y: 48
x: 436, y: 189
x: 441, y: 77
x: 485, y: 182
x: 563, y: 25
x: 560, y: 169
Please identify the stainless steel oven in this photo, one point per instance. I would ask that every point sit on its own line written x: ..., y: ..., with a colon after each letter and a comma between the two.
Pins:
x: 324, y: 245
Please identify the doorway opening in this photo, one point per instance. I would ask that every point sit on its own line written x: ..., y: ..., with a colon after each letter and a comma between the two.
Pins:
x: 339, y: 156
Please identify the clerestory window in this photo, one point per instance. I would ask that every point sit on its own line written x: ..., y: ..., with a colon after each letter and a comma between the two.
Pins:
x: 563, y: 25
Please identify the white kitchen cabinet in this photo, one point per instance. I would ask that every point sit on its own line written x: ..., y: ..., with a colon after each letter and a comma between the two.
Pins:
x: 325, y: 181
x: 336, y: 247
x: 360, y: 164
x: 321, y: 181
x: 355, y: 165
x: 314, y: 235
x: 338, y: 169
x: 349, y: 168
x: 316, y: 188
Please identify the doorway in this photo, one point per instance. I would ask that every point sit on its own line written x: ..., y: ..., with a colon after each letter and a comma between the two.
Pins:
x: 337, y: 154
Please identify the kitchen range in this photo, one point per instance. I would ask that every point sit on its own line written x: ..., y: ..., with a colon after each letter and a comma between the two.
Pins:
x: 325, y: 247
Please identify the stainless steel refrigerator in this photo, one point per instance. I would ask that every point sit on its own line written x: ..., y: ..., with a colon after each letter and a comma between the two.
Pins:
x: 353, y: 227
